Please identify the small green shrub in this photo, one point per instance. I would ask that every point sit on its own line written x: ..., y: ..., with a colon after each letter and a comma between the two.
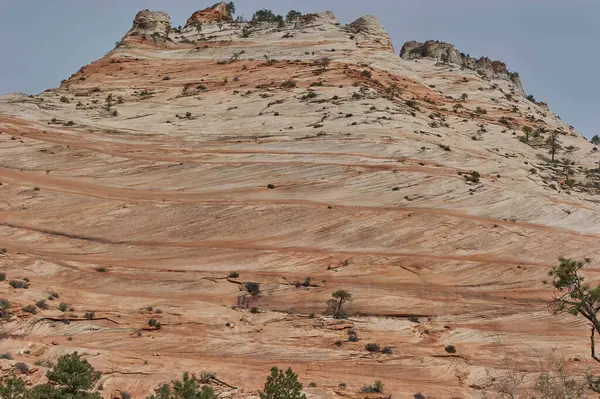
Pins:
x: 387, y: 350
x: 89, y: 315
x: 375, y: 388
x: 233, y: 275
x: 372, y: 347
x: 366, y: 73
x: 30, y: 309
x: 450, y: 349
x: 2, y: 276
x: 252, y: 287
x: 63, y: 307
x: 19, y: 284
x: 288, y: 84
x: 42, y: 304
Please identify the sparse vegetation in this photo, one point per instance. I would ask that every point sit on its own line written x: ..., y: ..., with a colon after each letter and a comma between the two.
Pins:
x: 595, y: 140
x: 42, y: 304
x: 377, y: 387
x: 342, y: 295
x: 233, y: 275
x: 252, y: 288
x: 266, y: 16
x: 19, y: 284
x: 63, y: 307
x: 450, y: 349
x: 554, y: 144
x: 30, y: 309
x: 293, y: 15
x: 372, y: 347
x: 288, y: 84
x: 472, y: 177
x: 89, y: 315
x: 282, y: 385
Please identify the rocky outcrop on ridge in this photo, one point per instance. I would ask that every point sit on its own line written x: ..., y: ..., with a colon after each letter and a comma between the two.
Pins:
x: 446, y: 52
x: 216, y: 13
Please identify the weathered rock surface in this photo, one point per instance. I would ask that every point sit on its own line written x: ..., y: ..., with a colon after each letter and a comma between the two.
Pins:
x: 216, y: 13
x: 369, y: 33
x: 140, y: 184
x: 447, y: 53
x: 151, y: 22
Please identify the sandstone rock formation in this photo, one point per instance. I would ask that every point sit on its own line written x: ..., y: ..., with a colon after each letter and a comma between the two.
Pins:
x: 369, y: 33
x: 216, y: 13
x: 151, y: 22
x: 447, y: 53
x: 158, y: 179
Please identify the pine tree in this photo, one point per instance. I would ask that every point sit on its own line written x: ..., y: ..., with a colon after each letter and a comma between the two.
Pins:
x: 280, y: 385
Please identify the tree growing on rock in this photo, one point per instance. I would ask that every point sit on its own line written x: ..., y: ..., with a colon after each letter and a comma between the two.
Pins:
x: 527, y: 130
x: 595, y: 140
x: 74, y: 375
x: 341, y: 295
x: 293, y: 15
x: 71, y: 378
x: 187, y: 388
x: 554, y: 144
x: 576, y: 297
x: 282, y: 385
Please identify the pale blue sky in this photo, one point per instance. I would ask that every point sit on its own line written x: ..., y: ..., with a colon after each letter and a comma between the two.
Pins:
x: 553, y: 44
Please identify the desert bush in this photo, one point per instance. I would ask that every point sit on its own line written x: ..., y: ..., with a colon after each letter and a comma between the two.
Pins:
x: 366, y: 73
x: 6, y: 356
x: 252, y: 287
x: 450, y: 349
x: 30, y: 309
x: 19, y: 284
x: 154, y: 323
x: 42, y: 304
x: 21, y: 367
x: 63, y: 307
x: 233, y: 275
x: 64, y: 99
x: 89, y: 315
x: 377, y: 387
x: 387, y: 350
x: 187, y: 388
x: 473, y: 176
x: 2, y: 276
x: 372, y: 347
x: 288, y: 84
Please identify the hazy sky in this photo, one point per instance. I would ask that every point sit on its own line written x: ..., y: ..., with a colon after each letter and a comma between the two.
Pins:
x: 553, y: 44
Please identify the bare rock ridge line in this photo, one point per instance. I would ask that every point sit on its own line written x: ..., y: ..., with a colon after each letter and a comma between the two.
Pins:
x: 192, y: 200
x: 448, y: 53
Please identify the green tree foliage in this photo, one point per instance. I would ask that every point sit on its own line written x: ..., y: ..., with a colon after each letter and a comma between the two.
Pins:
x: 266, y: 16
x: 185, y: 389
x: 342, y: 295
x: 280, y: 385
x: 12, y: 388
x: 230, y: 8
x: 574, y: 296
x: 293, y: 15
x: 72, y: 378
x: 595, y: 140
x: 73, y: 374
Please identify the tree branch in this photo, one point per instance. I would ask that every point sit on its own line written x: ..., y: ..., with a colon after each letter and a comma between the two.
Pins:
x: 593, y: 344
